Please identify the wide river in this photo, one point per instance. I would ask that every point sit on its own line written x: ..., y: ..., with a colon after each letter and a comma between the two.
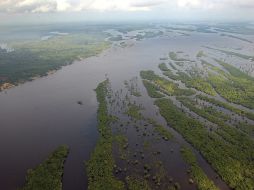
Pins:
x: 38, y: 116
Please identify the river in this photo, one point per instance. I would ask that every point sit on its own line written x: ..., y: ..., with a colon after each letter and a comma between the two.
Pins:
x: 40, y: 115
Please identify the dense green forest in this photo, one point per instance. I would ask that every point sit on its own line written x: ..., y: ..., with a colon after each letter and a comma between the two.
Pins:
x: 225, y: 141
x: 101, y: 164
x: 48, y: 175
x: 35, y: 58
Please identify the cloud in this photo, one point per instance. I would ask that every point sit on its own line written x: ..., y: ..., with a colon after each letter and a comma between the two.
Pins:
x: 147, y: 3
x: 27, y: 6
x: 75, y: 5
x: 215, y: 4
x: 35, y: 6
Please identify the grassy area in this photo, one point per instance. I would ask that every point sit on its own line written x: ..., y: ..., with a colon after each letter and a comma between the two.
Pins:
x: 101, y: 164
x: 249, y: 115
x: 172, y: 65
x: 122, y: 143
x: 165, y: 85
x: 213, y: 68
x: 235, y: 86
x: 193, y: 81
x: 246, y: 128
x: 48, y: 175
x: 235, y: 72
x: 181, y: 29
x: 243, y: 56
x: 133, y: 87
x: 219, y: 118
x: 237, y: 37
x: 228, y: 151
x: 171, y: 75
x: 152, y: 90
x: 148, y: 34
x: 166, y: 135
x: 116, y: 38
x: 161, y: 130
x: 134, y: 111
x: 173, y: 56
x: 137, y: 183
x: 200, y: 54
x: 33, y: 58
x: 203, y: 182
x: 236, y: 90
x: 198, y: 83
x: 206, y: 112
x: 163, y: 67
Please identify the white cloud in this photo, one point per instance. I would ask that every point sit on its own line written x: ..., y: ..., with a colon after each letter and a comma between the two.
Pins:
x: 62, y: 5
x: 76, y: 5
x: 118, y: 5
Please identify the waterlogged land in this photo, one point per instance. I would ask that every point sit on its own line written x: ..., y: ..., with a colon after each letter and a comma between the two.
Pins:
x: 31, y: 58
x: 222, y: 136
x: 174, y: 112
x: 48, y: 175
x: 24, y: 58
x: 130, y: 146
x: 134, y: 143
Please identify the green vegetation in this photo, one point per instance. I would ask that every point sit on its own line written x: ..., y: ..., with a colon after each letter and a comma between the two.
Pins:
x: 132, y: 87
x: 101, y: 164
x: 116, y: 38
x: 198, y: 83
x: 165, y: 85
x: 48, y: 175
x: 173, y: 56
x: 203, y: 182
x: 213, y: 68
x: 246, y: 128
x: 134, y: 111
x: 193, y: 81
x: 122, y: 142
x: 146, y: 35
x: 163, y: 67
x: 201, y: 54
x: 172, y: 65
x: 135, y: 93
x: 181, y: 29
x: 248, y: 57
x: 249, y: 115
x: 235, y: 28
x: 237, y: 37
x: 137, y: 183
x: 36, y: 58
x: 152, y: 89
x: 129, y: 28
x: 207, y: 112
x: 236, y: 90
x: 161, y: 130
x: 171, y: 75
x: 166, y: 135
x: 228, y: 151
x: 235, y: 86
x: 234, y: 71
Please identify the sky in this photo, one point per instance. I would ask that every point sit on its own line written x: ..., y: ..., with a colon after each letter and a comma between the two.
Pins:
x: 106, y: 10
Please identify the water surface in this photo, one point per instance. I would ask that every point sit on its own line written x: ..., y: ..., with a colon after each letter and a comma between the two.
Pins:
x: 38, y: 116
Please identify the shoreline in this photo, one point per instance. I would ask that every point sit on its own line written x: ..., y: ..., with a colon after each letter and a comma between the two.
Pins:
x: 8, y: 85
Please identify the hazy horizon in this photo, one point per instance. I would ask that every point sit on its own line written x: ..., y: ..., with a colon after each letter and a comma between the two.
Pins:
x: 48, y: 11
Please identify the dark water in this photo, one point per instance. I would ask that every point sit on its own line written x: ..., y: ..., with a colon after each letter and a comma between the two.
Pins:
x: 38, y: 116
